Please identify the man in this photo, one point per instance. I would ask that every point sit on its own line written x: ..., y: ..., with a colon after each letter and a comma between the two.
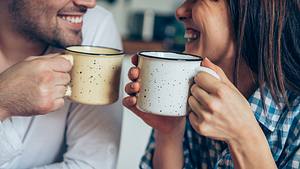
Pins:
x: 39, y: 128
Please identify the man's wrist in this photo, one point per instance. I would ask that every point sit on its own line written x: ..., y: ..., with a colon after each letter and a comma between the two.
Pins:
x: 3, y: 114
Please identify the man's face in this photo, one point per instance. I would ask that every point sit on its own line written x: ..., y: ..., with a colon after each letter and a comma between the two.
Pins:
x: 56, y: 22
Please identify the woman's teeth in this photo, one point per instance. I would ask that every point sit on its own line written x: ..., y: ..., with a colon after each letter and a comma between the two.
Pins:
x: 73, y: 19
x: 191, y: 36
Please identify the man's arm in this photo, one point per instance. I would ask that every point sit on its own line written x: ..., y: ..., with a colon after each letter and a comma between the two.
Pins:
x: 10, y: 144
x: 92, y: 138
x: 93, y: 132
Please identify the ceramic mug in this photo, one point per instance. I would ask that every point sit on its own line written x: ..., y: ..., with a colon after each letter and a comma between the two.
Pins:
x: 165, y: 79
x: 95, y: 75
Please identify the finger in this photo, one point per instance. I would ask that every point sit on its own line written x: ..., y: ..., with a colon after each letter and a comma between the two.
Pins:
x: 58, y: 103
x: 130, y: 103
x: 197, y: 108
x: 134, y: 60
x: 194, y: 120
x: 202, y: 96
x: 207, y: 82
x: 59, y: 92
x: 69, y: 58
x: 207, y: 63
x: 61, y: 78
x: 132, y: 88
x: 60, y: 64
x: 133, y: 73
x: 30, y: 58
x: 149, y: 118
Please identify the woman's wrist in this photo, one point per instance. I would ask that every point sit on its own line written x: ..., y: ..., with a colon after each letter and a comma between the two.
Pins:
x: 168, y: 150
x: 173, y: 136
x: 251, y: 150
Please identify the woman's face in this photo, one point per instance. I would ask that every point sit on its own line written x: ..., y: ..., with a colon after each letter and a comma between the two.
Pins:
x: 208, y: 28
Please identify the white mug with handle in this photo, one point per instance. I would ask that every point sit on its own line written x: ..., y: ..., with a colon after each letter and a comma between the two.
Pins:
x: 165, y: 79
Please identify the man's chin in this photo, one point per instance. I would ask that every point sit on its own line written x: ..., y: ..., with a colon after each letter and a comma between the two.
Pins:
x: 66, y: 42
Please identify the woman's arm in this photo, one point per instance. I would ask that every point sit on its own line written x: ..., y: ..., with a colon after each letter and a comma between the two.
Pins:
x: 251, y: 150
x: 169, y: 149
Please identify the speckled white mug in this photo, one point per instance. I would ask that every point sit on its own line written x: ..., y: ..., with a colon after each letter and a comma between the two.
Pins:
x: 165, y: 79
x: 95, y: 75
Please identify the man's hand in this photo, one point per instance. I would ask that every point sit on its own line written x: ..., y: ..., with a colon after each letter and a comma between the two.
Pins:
x: 35, y: 86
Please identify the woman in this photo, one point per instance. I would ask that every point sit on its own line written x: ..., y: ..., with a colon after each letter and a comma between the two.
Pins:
x: 249, y: 118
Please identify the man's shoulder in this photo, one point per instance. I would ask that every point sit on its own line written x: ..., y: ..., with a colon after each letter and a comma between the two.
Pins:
x: 98, y: 12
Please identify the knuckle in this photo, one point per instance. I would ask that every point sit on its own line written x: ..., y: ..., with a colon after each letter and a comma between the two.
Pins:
x: 132, y: 73
x: 45, y: 106
x: 197, y: 77
x: 222, y: 90
x: 44, y: 92
x: 30, y: 58
x: 214, y: 106
x: 39, y: 63
x: 203, y: 129
x: 66, y: 77
x: 45, y: 77
x: 191, y: 100
x: 193, y: 88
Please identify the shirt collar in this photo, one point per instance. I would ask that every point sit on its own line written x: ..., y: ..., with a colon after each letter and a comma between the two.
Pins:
x: 268, y: 117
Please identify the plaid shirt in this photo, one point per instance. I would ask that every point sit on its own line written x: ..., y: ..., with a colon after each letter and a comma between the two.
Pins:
x: 280, y: 126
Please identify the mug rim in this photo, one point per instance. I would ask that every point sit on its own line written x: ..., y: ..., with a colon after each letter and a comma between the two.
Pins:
x: 121, y: 52
x: 197, y: 57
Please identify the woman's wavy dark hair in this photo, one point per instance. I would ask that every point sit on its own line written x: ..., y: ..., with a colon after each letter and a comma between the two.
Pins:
x: 268, y: 39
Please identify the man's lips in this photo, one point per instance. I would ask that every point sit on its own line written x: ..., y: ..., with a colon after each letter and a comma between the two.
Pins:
x: 73, y: 19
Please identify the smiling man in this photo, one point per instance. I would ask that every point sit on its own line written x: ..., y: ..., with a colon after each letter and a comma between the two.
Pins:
x: 39, y: 128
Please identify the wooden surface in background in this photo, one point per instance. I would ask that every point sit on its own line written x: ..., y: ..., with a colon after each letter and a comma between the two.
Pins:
x: 132, y: 47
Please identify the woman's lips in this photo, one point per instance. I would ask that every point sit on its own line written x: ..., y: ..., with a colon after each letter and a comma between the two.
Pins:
x: 191, y: 34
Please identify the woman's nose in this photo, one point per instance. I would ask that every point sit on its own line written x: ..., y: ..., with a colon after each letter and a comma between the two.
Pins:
x: 183, y: 12
x: 85, y: 3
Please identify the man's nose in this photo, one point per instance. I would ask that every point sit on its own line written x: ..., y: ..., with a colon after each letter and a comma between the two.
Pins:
x: 85, y: 3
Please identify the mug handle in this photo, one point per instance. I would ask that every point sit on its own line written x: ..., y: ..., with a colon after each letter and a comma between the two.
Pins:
x: 71, y: 60
x: 207, y: 70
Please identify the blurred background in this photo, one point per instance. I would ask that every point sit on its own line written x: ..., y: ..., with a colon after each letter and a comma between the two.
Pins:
x: 143, y: 25
x: 147, y: 24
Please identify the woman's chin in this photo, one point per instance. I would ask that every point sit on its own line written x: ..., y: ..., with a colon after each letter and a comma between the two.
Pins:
x: 192, y: 49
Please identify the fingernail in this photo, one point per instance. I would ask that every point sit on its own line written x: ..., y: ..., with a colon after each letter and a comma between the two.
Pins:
x: 132, y: 100
x: 207, y: 60
x: 132, y: 86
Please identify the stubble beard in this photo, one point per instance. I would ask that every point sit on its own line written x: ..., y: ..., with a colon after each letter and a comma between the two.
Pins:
x: 28, y: 25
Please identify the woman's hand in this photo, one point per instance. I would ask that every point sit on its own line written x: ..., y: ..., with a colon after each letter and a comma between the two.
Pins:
x: 163, y: 124
x: 220, y: 111
x: 169, y: 131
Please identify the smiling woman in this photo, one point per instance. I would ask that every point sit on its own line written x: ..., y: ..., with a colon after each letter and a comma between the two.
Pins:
x: 248, y: 118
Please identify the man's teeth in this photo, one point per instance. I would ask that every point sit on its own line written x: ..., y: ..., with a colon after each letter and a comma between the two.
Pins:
x: 73, y: 19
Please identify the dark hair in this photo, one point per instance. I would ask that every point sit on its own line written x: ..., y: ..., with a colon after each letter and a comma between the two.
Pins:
x: 267, y: 33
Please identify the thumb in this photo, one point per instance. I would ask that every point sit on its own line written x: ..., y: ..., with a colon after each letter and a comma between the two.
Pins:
x: 69, y: 58
x: 207, y: 63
